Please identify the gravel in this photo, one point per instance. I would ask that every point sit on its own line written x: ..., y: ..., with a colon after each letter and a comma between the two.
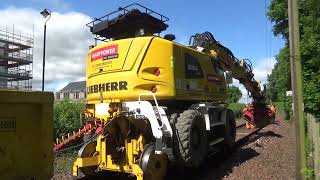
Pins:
x: 268, y: 154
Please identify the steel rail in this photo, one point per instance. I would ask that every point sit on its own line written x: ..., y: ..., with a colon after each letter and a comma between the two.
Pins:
x: 246, y: 137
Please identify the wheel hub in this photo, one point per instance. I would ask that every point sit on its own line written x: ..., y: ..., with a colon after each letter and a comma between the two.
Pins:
x: 154, y: 166
x: 88, y: 150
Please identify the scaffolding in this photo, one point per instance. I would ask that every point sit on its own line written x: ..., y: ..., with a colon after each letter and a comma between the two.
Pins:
x: 16, y: 60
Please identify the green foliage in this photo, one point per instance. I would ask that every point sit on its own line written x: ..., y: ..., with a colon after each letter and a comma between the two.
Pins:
x: 309, y: 173
x: 66, y: 117
x: 234, y: 94
x: 64, y: 162
x: 310, y: 53
x: 278, y: 14
x: 284, y: 108
x: 279, y: 80
x: 237, y: 109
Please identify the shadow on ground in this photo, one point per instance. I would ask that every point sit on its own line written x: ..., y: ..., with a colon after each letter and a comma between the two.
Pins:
x: 216, y: 166
x: 263, y: 134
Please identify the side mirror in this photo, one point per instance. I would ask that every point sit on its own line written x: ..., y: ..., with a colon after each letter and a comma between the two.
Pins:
x: 228, y: 76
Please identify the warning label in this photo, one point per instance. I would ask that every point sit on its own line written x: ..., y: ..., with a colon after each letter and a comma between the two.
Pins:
x: 105, y: 53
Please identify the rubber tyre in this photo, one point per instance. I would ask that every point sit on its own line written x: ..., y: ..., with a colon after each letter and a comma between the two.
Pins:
x: 171, y: 155
x: 230, y: 129
x: 192, y: 140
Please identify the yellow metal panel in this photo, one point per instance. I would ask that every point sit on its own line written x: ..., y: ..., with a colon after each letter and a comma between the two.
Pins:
x: 88, y: 161
x: 158, y: 56
x: 197, y: 88
x: 26, y: 135
x: 136, y: 76
x: 104, y: 161
x: 108, y: 57
x: 132, y: 72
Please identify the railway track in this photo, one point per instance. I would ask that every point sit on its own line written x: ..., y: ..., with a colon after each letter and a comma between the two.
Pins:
x: 241, y: 125
x: 243, y: 134
x: 215, y: 159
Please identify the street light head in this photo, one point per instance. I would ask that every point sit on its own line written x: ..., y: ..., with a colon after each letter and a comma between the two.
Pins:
x: 45, y: 13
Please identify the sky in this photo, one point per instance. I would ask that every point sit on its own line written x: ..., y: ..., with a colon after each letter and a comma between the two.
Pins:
x: 241, y: 26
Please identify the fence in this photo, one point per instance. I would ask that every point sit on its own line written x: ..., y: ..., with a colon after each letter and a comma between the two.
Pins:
x: 314, y: 137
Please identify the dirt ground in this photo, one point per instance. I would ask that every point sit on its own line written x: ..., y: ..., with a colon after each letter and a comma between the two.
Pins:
x: 268, y: 154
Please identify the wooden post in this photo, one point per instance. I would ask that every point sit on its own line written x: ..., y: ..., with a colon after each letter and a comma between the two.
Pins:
x: 296, y: 83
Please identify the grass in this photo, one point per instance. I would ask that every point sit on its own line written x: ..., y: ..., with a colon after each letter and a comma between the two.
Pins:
x: 283, y: 109
x: 237, y: 109
x: 63, y: 163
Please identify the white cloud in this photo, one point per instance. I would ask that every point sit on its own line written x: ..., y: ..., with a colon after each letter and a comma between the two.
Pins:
x: 244, y: 98
x: 260, y: 71
x: 68, y: 40
x: 263, y: 68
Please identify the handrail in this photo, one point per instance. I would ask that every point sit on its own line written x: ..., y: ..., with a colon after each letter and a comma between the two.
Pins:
x: 157, y: 105
x: 125, y: 9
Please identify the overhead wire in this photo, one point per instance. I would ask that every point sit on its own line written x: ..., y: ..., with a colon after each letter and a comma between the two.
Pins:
x: 266, y: 29
x: 268, y: 45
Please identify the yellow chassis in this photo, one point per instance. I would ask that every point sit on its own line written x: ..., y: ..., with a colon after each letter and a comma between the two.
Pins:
x: 130, y: 164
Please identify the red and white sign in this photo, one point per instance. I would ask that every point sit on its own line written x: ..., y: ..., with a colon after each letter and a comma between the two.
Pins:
x: 109, y: 51
x: 213, y: 78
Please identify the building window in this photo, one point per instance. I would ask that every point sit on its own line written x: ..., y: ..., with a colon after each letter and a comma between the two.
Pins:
x: 76, y: 95
x: 66, y: 95
x: 58, y: 95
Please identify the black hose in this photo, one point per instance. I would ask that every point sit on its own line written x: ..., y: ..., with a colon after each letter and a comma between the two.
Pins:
x: 248, y: 62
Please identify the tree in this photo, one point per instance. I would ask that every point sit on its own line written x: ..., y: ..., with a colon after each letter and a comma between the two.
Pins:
x: 280, y: 81
x: 310, y: 52
x: 234, y: 94
x: 66, y: 117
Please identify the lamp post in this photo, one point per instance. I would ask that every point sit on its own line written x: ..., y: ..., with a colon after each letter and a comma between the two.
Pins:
x: 45, y: 13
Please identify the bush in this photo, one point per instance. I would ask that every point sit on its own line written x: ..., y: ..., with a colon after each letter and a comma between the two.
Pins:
x: 66, y: 117
x: 284, y: 109
x: 234, y: 94
x: 237, y: 109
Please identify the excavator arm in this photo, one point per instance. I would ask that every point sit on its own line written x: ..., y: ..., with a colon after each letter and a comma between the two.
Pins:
x: 258, y: 113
